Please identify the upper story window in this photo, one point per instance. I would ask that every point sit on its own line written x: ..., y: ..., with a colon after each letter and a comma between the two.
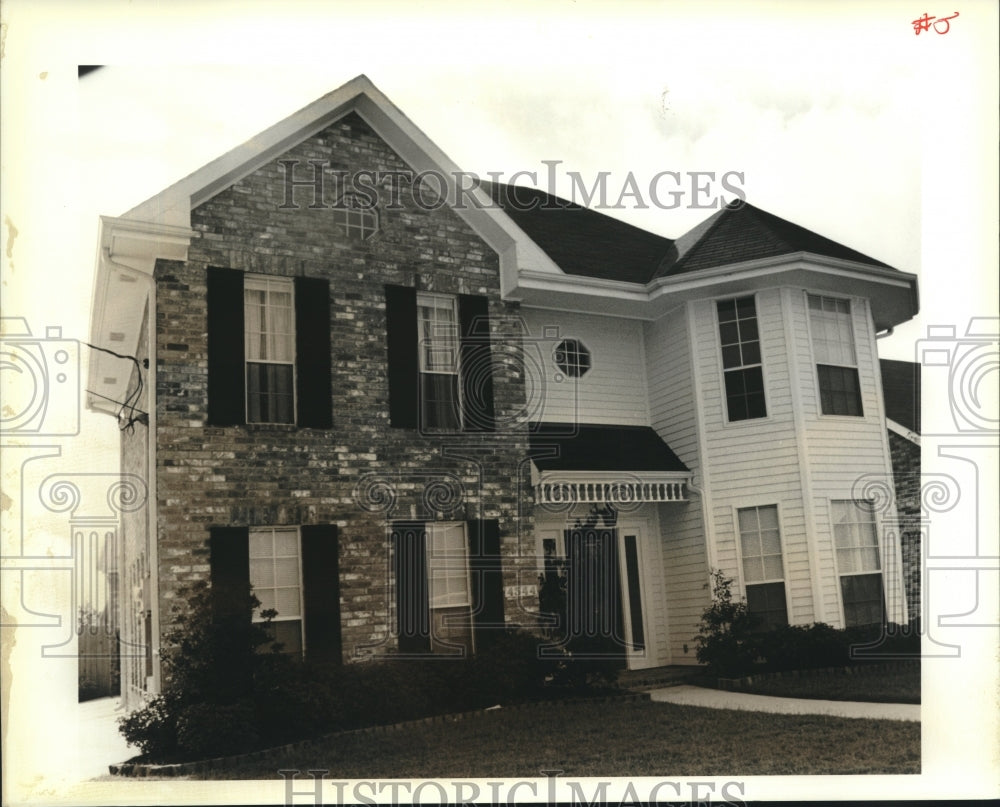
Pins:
x: 437, y: 335
x: 835, y: 356
x: 741, y: 360
x: 572, y: 357
x: 440, y: 369
x: 763, y: 568
x: 357, y: 219
x: 269, y: 341
x: 268, y: 350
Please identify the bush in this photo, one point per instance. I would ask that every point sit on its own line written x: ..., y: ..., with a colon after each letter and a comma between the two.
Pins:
x: 226, y: 696
x: 799, y: 647
x: 215, y: 729
x: 726, y: 639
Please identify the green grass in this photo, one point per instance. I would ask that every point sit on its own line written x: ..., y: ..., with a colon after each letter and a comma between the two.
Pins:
x: 610, y: 739
x: 900, y: 685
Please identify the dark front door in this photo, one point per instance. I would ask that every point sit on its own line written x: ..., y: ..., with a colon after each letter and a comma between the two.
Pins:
x: 593, y: 594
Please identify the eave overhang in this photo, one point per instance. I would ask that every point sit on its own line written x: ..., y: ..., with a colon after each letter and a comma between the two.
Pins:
x: 126, y: 257
x: 893, y: 294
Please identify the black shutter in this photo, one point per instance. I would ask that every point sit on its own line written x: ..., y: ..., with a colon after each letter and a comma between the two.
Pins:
x: 321, y: 592
x: 226, y: 358
x: 486, y: 570
x: 476, y: 364
x: 401, y: 337
x: 312, y: 352
x: 229, y: 674
x: 229, y: 557
x: 413, y: 619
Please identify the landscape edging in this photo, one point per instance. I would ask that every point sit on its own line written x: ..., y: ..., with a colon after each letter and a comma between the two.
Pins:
x: 142, y: 769
x: 737, y: 684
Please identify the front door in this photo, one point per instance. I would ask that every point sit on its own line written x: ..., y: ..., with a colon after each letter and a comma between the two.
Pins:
x: 594, y: 613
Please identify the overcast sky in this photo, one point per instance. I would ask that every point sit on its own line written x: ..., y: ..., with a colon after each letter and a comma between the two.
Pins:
x: 839, y: 117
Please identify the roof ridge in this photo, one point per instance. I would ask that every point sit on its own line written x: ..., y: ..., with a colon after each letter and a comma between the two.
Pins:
x: 731, y: 207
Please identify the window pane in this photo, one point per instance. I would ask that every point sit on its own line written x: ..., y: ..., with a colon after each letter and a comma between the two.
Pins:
x: 773, y: 568
x: 840, y: 391
x: 770, y: 542
x: 287, y: 601
x: 863, y: 601
x: 261, y: 573
x: 261, y: 544
x: 439, y: 401
x: 751, y: 352
x: 748, y: 519
x: 753, y: 569
x: 767, y: 601
x: 286, y: 543
x: 288, y: 633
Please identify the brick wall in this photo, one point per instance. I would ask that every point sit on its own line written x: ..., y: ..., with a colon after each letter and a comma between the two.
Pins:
x: 906, y: 476
x: 281, y: 475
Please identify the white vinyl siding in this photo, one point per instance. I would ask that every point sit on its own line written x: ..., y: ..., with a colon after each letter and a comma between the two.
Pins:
x: 613, y: 390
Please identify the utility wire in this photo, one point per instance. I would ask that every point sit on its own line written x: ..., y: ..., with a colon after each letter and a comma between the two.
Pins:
x: 132, y: 399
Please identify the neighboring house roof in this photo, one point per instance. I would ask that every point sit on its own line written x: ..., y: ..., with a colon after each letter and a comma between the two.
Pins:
x: 901, y: 391
x: 597, y: 447
x: 579, y: 240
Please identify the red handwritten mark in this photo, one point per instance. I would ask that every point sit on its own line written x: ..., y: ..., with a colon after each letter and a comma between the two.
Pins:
x: 924, y: 24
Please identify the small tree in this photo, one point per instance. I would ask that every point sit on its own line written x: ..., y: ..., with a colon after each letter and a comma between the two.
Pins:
x: 725, y: 637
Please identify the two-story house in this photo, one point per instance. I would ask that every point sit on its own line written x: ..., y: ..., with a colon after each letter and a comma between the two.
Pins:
x: 389, y: 399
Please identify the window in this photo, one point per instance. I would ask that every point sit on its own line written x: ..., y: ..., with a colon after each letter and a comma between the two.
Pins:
x: 276, y: 577
x: 836, y: 361
x: 437, y: 335
x: 450, y: 594
x: 294, y: 570
x: 269, y: 340
x: 268, y: 350
x: 572, y: 357
x: 358, y: 220
x: 449, y: 585
x: 741, y: 360
x: 858, y: 562
x: 440, y: 368
x: 763, y: 569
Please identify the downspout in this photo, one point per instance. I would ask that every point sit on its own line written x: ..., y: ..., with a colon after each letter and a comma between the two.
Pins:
x: 151, y: 516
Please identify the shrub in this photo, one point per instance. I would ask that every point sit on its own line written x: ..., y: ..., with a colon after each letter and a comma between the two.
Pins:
x: 216, y: 729
x: 799, y: 647
x: 153, y: 728
x: 726, y: 639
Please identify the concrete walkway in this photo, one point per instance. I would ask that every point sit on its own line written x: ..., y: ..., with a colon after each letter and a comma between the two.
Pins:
x: 686, y: 695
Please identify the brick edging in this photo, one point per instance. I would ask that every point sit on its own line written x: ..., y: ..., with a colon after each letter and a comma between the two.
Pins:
x: 140, y: 769
x: 733, y: 684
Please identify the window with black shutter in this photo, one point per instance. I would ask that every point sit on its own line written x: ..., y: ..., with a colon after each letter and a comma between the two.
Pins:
x: 439, y: 361
x: 268, y: 350
x: 291, y: 570
x: 449, y: 586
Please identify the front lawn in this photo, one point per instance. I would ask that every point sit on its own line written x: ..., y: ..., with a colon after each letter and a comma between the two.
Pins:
x: 898, y: 685
x: 609, y: 739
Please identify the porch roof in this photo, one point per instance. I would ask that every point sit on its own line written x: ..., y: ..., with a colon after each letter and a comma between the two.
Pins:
x: 600, y: 447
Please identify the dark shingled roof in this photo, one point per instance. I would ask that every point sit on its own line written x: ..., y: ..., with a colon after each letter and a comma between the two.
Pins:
x: 579, y: 240
x: 596, y: 447
x: 901, y: 390
x: 584, y: 242
x: 744, y: 233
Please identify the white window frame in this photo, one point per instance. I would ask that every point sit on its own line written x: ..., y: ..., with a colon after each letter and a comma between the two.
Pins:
x: 814, y: 350
x: 784, y: 560
x: 268, y: 283
x: 573, y: 350
x: 449, y: 562
x: 877, y: 529
x: 723, y: 370
x: 356, y: 220
x: 301, y: 616
x: 434, y: 301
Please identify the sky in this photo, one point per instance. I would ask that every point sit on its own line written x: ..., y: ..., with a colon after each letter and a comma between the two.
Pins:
x: 839, y: 116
